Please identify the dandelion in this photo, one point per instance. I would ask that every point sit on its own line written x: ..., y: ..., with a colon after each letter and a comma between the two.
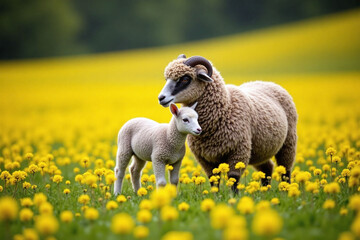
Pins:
x: 329, y: 204
x: 354, y: 202
x: 25, y: 214
x: 199, y: 180
x: 183, y: 206
x: 121, y: 199
x: 246, y: 205
x: 26, y: 202
x: 91, y: 214
x: 160, y: 198
x: 84, y: 199
x: 46, y: 224
x: 355, y: 226
x: 330, y: 151
x: 111, y: 205
x: 343, y: 211
x: 275, y: 201
x: 168, y: 213
x: 46, y: 208
x: 214, y: 189
x: 30, y: 234
x: 232, y: 201
x: 174, y: 235
x: 144, y: 216
x: 224, y: 168
x: 66, y: 191
x: 240, y: 165
x: 142, y: 192
x: 66, y: 216
x: 8, y: 209
x: 146, y: 204
x: 207, y: 204
x: 141, y: 232
x: 332, y: 188
x: 39, y: 198
x: 267, y: 223
x: 122, y: 223
x: 220, y: 216
x: 110, y: 179
x: 205, y: 192
x: 57, y: 179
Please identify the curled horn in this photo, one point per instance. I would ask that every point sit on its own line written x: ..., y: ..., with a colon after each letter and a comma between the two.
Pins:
x: 181, y: 56
x: 196, y: 60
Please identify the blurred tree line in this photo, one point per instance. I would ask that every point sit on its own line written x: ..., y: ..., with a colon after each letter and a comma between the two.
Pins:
x: 41, y: 28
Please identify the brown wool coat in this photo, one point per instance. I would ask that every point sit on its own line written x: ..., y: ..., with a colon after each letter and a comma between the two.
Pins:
x: 248, y: 123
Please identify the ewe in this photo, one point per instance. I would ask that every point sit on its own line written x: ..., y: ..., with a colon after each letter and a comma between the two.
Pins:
x: 248, y: 123
x: 147, y: 140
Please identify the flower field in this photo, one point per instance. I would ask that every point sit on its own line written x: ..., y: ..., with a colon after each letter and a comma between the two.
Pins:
x: 60, y: 118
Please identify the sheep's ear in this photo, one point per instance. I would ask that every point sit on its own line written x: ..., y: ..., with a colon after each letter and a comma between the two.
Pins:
x: 174, y: 109
x: 204, y: 77
x: 193, y: 106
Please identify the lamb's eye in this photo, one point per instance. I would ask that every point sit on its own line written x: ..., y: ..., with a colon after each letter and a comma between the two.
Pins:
x: 185, y: 120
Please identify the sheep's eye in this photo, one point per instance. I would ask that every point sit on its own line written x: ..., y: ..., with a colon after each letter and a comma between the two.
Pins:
x: 185, y: 120
x: 185, y: 79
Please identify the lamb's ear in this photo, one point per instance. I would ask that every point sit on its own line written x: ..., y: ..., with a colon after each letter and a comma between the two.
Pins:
x: 174, y: 109
x: 204, y: 77
x: 193, y: 106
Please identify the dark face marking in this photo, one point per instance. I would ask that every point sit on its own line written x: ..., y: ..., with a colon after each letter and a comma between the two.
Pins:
x: 181, y: 84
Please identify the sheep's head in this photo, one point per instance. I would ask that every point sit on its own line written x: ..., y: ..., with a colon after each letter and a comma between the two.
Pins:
x: 185, y: 80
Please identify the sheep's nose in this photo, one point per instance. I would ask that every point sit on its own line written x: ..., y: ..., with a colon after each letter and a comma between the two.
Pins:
x: 199, y: 129
x: 161, y: 97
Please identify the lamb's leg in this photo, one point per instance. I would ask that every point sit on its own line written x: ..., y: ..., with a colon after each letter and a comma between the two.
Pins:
x: 286, y: 155
x: 267, y: 168
x: 135, y: 172
x: 174, y: 174
x: 123, y: 157
x: 159, y: 171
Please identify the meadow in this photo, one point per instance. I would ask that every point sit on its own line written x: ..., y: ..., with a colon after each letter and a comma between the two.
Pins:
x: 60, y: 118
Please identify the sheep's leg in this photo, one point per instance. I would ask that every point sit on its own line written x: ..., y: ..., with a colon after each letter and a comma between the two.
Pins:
x: 159, y: 171
x: 267, y: 168
x: 174, y: 174
x: 286, y: 155
x: 207, y: 166
x: 135, y: 172
x: 123, y: 157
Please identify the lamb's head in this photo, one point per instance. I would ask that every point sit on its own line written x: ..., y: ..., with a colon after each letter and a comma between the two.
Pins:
x: 185, y: 80
x: 186, y: 119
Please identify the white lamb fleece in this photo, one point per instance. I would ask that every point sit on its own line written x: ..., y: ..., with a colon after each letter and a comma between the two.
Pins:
x: 161, y: 143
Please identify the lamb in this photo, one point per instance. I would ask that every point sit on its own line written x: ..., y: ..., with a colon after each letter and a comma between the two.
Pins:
x: 249, y: 123
x: 147, y: 140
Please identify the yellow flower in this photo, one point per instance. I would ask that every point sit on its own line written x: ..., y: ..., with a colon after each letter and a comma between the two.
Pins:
x: 312, y: 187
x: 26, y: 202
x: 141, y: 232
x: 220, y: 216
x: 46, y: 224
x: 207, y: 204
x: 160, y: 198
x: 174, y: 235
x: 224, y: 167
x: 39, y: 198
x: 355, y: 226
x: 46, y: 208
x: 168, y: 213
x: 330, y: 151
x: 121, y: 198
x: 262, y: 205
x: 205, y: 192
x: 214, y: 189
x: 57, y: 179
x: 329, y: 204
x: 111, y: 205
x: 346, y: 236
x: 142, y: 192
x: 354, y: 202
x: 144, y: 216
x: 302, y: 177
x: 1, y: 188
x: 26, y: 214
x: 91, y: 214
x: 66, y: 216
x: 232, y: 201
x: 275, y: 201
x: 183, y: 206
x: 240, y: 165
x: 8, y: 208
x: 26, y: 185
x: 67, y: 182
x: 293, y: 191
x: 280, y: 170
x: 146, y: 204
x: 199, y: 180
x: 333, y: 187
x: 267, y: 223
x: 29, y: 234
x: 66, y: 191
x: 122, y: 223
x: 343, y: 211
x: 84, y: 199
x: 317, y: 172
x: 246, y: 205
x: 110, y: 179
